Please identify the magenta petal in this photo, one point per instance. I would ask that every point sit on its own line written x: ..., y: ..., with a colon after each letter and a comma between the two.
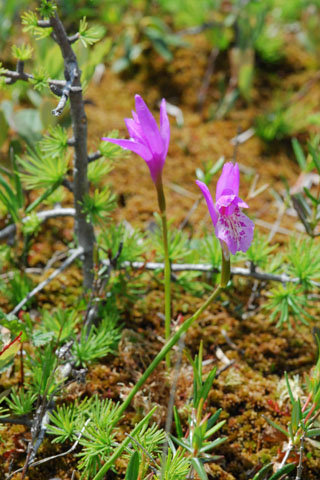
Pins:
x: 229, y: 180
x: 149, y: 127
x: 164, y: 126
x: 207, y: 195
x: 240, y: 203
x: 135, y: 147
x: 225, y: 201
x: 135, y: 116
x: 235, y: 230
x: 134, y: 130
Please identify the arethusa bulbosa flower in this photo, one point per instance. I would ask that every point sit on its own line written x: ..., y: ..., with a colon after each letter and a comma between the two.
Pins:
x: 232, y: 227
x: 146, y: 139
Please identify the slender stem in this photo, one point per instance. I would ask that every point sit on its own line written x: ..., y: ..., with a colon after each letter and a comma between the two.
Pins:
x: 166, y: 349
x: 225, y: 266
x: 167, y: 268
x: 167, y: 285
x: 300, y: 467
x: 286, y: 456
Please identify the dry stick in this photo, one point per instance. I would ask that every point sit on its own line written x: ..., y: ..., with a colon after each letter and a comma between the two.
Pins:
x: 17, y: 421
x: 207, y: 268
x: 190, y: 213
x: 53, y: 457
x: 94, y: 156
x: 285, y: 458
x: 76, y: 253
x: 83, y: 228
x: 45, y: 215
x: 300, y: 467
x: 206, y: 79
x: 12, y: 76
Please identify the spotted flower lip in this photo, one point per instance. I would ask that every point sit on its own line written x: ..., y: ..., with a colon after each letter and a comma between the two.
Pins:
x: 232, y: 226
x: 146, y: 139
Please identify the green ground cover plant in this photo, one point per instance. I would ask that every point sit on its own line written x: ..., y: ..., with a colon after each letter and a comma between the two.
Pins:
x: 53, y: 342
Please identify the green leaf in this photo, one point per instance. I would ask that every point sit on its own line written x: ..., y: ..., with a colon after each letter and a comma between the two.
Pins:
x: 89, y: 36
x: 198, y: 466
x: 9, y: 199
x: 300, y: 156
x: 133, y: 467
x: 4, y: 127
x: 286, y: 469
x: 315, y: 156
x: 261, y: 474
x: 204, y: 392
x: 122, y: 446
x: 99, y: 205
x: 8, y: 352
x: 182, y: 444
x: 30, y: 22
x: 313, y: 432
x: 212, y: 420
x: 177, y: 422
x: 214, y: 429
x: 16, y: 179
x: 22, y: 52
x: 40, y: 80
x: 214, y: 444
x: 313, y: 199
x: 296, y: 415
x: 43, y: 171
x: 292, y: 400
x: 275, y: 425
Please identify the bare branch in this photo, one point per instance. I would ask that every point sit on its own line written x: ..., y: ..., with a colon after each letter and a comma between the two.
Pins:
x: 17, y: 421
x: 76, y: 253
x: 43, y: 216
x: 53, y: 457
x: 207, y: 268
x: 66, y: 183
x: 83, y: 229
x: 44, y: 23
x: 300, y: 466
x: 73, y: 38
x: 70, y: 73
x: 199, y: 28
x: 12, y: 76
x: 94, y: 156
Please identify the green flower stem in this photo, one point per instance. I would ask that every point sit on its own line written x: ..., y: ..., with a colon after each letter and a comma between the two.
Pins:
x: 225, y: 267
x: 165, y: 350
x: 167, y: 268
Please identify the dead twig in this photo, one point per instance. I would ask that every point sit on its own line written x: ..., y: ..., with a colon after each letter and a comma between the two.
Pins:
x: 76, y: 253
x: 206, y: 79
x: 53, y: 457
x: 207, y: 268
x: 300, y: 467
x: 43, y: 216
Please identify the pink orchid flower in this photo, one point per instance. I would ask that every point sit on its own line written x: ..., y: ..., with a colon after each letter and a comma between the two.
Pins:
x: 232, y: 226
x: 146, y: 139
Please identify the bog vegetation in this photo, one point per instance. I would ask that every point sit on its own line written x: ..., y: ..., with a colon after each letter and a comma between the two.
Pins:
x: 159, y: 229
